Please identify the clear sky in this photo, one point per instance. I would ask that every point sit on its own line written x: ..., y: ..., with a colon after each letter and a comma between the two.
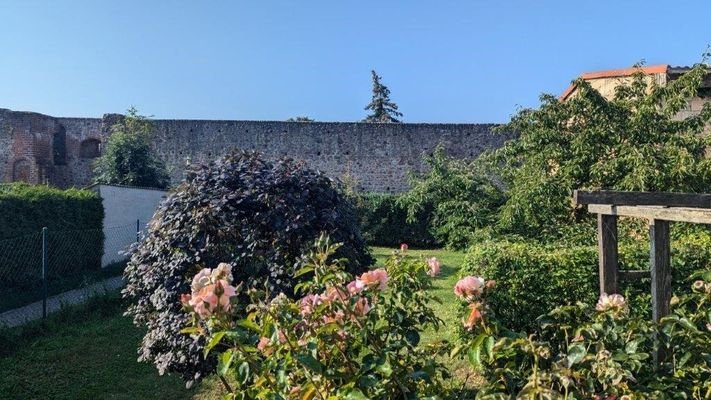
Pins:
x: 444, y: 61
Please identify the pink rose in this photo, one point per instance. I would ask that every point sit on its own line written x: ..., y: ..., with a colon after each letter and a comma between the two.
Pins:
x: 434, y: 265
x: 200, y: 280
x: 378, y: 277
x: 224, y: 292
x: 614, y: 302
x: 353, y: 287
x: 211, y: 298
x: 335, y: 293
x: 469, y: 287
x: 404, y: 247
x: 222, y: 272
x: 308, y: 303
x: 263, y: 343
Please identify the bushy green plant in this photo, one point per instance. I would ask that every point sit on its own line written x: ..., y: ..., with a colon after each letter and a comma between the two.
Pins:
x: 128, y: 158
x: 74, y: 219
x: 535, y: 278
x: 580, y: 352
x: 258, y: 216
x: 633, y: 141
x: 461, y: 199
x: 344, y: 339
x: 384, y: 222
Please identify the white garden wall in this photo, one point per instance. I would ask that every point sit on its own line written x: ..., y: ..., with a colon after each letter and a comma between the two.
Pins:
x: 123, y: 206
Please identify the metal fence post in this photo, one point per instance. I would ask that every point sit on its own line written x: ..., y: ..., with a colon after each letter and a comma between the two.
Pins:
x: 44, y: 272
x: 138, y: 230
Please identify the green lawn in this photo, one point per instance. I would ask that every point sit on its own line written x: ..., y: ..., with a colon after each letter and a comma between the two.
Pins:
x: 90, y: 352
x: 444, y: 284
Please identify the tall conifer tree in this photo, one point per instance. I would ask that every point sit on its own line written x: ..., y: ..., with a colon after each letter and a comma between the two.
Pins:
x: 383, y: 110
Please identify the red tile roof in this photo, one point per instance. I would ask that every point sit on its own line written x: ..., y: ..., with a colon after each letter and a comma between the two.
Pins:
x: 613, y: 73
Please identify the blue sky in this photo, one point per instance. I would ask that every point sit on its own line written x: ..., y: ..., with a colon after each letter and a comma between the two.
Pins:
x: 444, y: 61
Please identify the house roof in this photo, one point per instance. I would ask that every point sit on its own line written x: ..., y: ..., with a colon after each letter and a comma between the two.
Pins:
x: 615, y: 73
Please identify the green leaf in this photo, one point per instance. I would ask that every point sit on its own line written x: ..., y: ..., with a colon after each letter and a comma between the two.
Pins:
x: 456, y: 350
x: 489, y: 347
x: 385, y: 368
x: 243, y: 372
x: 576, y: 353
x: 356, y: 394
x: 224, y: 362
x: 192, y: 330
x: 412, y: 337
x: 214, y: 340
x: 247, y: 324
x: 302, y: 271
x: 474, y: 353
x: 309, y: 362
x: 688, y: 325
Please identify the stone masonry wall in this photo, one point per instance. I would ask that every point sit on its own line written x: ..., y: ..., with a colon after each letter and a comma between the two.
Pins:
x: 378, y: 157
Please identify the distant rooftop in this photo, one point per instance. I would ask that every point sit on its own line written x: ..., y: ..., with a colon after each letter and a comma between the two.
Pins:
x: 622, y: 72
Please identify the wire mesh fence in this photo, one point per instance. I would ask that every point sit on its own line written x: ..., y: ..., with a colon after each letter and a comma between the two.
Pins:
x: 56, y: 267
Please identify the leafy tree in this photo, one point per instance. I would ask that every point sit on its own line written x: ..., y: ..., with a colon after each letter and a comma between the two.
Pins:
x: 300, y: 119
x: 458, y: 198
x: 383, y: 110
x: 128, y: 158
x: 633, y: 141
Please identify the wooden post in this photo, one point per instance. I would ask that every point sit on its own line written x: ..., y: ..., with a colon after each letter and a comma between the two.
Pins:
x: 661, y: 274
x: 607, y: 250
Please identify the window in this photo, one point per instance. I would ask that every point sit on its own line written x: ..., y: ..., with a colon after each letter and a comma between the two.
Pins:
x: 90, y: 148
x: 59, y: 147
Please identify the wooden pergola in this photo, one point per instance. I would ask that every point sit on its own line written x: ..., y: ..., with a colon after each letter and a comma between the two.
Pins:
x: 659, y: 209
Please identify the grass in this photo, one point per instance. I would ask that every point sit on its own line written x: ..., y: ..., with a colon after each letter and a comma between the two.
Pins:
x: 89, y: 352
x: 443, y: 287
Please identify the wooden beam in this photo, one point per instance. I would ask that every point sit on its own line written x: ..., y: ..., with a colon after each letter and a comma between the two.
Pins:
x: 696, y: 215
x: 691, y: 200
x: 607, y: 251
x: 633, y: 275
x: 661, y: 274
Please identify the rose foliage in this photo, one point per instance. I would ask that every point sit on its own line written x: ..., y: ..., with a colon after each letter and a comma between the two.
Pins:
x: 601, y: 352
x: 342, y: 338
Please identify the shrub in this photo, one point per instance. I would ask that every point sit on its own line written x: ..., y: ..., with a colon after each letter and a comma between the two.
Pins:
x: 384, y: 222
x: 256, y: 215
x: 534, y: 278
x: 604, y: 352
x: 455, y: 198
x: 128, y: 158
x: 344, y: 339
x: 74, y: 220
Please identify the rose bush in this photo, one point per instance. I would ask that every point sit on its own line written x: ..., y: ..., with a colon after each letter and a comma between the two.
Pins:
x: 583, y: 352
x: 342, y: 338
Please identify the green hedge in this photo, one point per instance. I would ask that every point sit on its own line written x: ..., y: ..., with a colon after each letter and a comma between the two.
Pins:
x: 383, y: 223
x: 74, y: 220
x: 533, y: 278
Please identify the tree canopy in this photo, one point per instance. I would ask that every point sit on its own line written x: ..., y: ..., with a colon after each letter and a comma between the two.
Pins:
x: 636, y: 140
x: 128, y: 158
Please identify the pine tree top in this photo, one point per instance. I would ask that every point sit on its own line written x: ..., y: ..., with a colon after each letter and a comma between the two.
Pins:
x: 383, y: 110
